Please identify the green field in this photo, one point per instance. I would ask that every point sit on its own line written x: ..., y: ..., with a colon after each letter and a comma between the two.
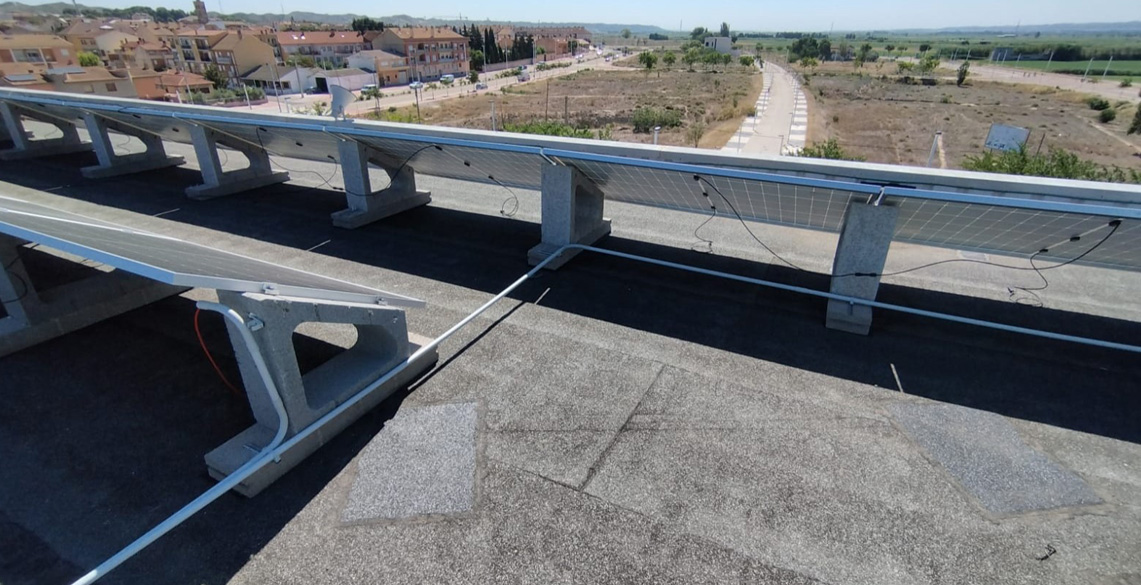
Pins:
x: 1119, y: 69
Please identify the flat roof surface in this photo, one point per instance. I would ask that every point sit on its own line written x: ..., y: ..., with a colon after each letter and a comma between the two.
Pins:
x: 610, y: 422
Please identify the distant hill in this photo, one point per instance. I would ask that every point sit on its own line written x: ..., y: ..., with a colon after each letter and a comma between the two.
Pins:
x: 1131, y: 27
x: 345, y: 19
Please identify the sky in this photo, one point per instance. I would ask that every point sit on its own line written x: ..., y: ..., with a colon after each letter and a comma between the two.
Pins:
x: 761, y: 15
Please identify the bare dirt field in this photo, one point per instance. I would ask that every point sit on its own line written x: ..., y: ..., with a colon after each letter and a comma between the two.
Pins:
x: 886, y: 121
x: 605, y: 101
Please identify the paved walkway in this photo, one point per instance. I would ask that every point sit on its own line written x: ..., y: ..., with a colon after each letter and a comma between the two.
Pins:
x: 781, y: 124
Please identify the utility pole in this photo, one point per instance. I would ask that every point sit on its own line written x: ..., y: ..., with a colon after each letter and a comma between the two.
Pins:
x: 493, y: 115
x: 1107, y: 65
x: 1051, y: 60
x: 1087, y: 69
x: 934, y: 146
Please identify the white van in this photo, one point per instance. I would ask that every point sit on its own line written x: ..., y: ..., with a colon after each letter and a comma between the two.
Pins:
x: 447, y: 78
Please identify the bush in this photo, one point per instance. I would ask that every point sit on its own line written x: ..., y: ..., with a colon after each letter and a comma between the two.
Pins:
x: 645, y: 119
x: 548, y: 128
x: 1058, y: 163
x: 1096, y: 103
x: 1107, y: 116
x: 1127, y: 82
x: 829, y: 149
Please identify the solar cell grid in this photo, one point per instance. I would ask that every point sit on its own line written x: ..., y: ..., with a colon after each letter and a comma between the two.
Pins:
x: 175, y: 261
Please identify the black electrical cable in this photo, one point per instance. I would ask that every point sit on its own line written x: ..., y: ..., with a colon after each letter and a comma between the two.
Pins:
x: 23, y: 283
x: 745, y: 225
x: 1113, y: 225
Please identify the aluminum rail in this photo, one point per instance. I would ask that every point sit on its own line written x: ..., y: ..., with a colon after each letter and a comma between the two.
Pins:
x: 1107, y: 209
x: 271, y: 452
x: 202, y: 501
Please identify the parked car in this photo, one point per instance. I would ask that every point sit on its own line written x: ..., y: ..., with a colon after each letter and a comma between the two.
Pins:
x: 369, y: 87
x: 480, y: 85
x: 524, y: 77
x: 447, y: 78
x: 416, y: 85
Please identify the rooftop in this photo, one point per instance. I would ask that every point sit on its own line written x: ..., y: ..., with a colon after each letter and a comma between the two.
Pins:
x: 417, y: 33
x: 319, y: 38
x: 609, y: 422
x: 33, y: 42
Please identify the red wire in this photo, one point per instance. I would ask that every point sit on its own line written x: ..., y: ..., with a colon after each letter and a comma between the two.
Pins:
x: 206, y: 350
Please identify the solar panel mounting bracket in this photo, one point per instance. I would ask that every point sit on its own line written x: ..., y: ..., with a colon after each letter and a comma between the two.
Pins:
x: 24, y: 146
x: 382, y: 342
x: 365, y: 205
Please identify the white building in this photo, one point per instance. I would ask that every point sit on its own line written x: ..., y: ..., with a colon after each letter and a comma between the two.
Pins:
x: 352, y: 79
x: 282, y: 78
x: 720, y: 44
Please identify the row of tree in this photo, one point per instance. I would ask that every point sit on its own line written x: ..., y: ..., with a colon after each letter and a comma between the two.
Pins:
x: 483, y: 47
x: 159, y: 14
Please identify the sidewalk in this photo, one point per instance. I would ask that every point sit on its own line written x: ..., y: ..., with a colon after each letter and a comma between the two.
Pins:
x: 781, y: 124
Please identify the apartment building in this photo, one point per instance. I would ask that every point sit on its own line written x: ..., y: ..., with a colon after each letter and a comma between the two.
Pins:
x: 151, y: 56
x: 233, y: 52
x: 390, y: 68
x: 331, y: 47
x: 431, y: 52
x: 556, y: 40
x: 103, y: 37
x: 48, y: 50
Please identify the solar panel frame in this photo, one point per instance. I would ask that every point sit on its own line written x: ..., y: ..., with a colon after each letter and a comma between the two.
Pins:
x: 177, y: 262
x: 812, y: 198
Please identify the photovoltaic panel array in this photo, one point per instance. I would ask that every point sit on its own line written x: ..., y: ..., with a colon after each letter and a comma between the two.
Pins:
x: 173, y: 261
x: 1010, y: 219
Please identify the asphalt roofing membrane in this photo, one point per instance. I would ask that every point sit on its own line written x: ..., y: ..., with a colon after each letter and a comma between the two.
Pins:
x: 621, y: 423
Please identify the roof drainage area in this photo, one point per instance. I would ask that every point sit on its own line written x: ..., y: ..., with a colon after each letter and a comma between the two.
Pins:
x: 608, y: 422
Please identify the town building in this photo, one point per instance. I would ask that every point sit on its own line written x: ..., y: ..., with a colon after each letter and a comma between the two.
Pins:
x: 431, y: 52
x: 329, y: 48
x: 389, y: 68
x: 723, y: 45
x: 350, y: 78
x: 167, y: 86
x: 48, y: 50
x: 282, y: 79
x: 234, y: 53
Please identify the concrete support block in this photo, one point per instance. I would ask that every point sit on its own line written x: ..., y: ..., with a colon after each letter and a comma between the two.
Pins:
x: 35, y: 316
x: 113, y: 165
x: 215, y: 181
x: 864, y: 242
x: 572, y: 214
x: 24, y: 147
x: 365, y: 206
x: 382, y: 343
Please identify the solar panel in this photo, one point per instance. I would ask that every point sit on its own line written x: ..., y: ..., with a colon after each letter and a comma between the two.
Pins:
x: 988, y: 213
x: 176, y: 262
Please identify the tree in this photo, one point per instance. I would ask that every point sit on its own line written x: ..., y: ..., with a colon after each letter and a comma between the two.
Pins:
x: 824, y: 49
x: 808, y: 62
x: 760, y: 47
x: 829, y: 149
x: 215, y: 76
x: 725, y: 30
x: 964, y: 70
x: 572, y: 46
x: 692, y: 57
x: 698, y: 33
x: 473, y: 76
x: 694, y: 133
x: 928, y: 65
x: 301, y: 61
x: 1135, y: 127
x: 477, y: 60
x: 889, y: 48
x: 904, y: 67
x: 89, y: 59
x: 726, y: 58
x: 669, y: 59
x: 625, y: 33
x: 365, y: 23
x: 923, y: 48
x: 648, y: 60
x: 746, y: 61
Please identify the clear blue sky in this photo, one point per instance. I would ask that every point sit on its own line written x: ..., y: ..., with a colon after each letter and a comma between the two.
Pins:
x: 807, y: 15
